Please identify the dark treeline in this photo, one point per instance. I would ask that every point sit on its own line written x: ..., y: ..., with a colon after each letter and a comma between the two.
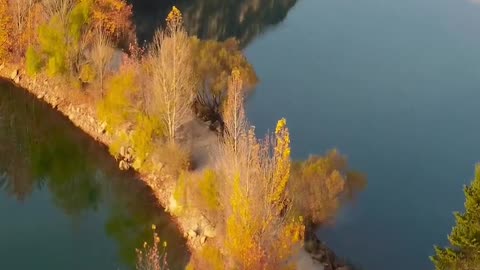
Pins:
x: 213, y: 19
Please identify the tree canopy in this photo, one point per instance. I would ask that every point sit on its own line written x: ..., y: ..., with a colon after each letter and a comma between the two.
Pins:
x: 464, y: 250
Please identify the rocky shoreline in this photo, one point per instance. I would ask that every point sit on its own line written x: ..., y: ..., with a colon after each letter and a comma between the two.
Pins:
x: 194, y: 226
x: 83, y: 115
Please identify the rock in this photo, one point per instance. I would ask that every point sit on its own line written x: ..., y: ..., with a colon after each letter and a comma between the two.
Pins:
x: 55, y: 103
x: 17, y: 79
x: 103, y: 127
x: 14, y: 74
x: 122, y: 151
x: 172, y: 206
x: 318, y: 257
x: 191, y: 234
x: 122, y: 165
x: 203, y: 239
x: 209, y: 231
x: 2, y: 66
x: 129, y: 154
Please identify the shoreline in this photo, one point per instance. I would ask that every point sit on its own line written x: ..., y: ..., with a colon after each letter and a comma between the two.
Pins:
x: 83, y: 116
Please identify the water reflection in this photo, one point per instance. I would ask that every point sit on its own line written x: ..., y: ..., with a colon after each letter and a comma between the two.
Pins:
x: 41, y: 151
x: 214, y: 19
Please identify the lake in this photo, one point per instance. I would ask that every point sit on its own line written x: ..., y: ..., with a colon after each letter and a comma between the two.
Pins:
x: 64, y: 203
x: 394, y: 85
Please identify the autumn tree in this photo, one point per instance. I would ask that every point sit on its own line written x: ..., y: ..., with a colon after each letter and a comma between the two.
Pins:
x: 114, y: 18
x: 213, y: 63
x: 63, y: 39
x: 101, y: 56
x: 321, y: 181
x: 172, y: 74
x: 5, y: 30
x: 60, y: 8
x: 261, y: 232
x: 464, y: 250
x: 234, y: 113
x: 19, y: 10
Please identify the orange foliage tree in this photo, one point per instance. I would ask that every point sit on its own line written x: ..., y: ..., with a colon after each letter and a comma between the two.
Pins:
x: 5, y: 30
x: 115, y: 18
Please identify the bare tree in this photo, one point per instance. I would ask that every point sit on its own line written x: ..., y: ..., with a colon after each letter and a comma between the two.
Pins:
x: 101, y: 55
x: 173, y: 79
x: 57, y: 7
x: 234, y: 113
x: 20, y: 9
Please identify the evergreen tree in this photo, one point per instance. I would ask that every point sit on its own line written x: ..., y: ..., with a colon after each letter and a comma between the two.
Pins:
x: 464, y: 253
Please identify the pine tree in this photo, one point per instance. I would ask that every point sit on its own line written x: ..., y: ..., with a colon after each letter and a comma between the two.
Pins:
x: 464, y: 253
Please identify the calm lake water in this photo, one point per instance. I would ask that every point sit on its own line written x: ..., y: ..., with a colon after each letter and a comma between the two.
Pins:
x: 63, y: 202
x: 394, y: 85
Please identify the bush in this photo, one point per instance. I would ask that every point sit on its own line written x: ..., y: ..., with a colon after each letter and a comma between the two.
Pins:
x: 117, y: 108
x: 322, y: 181
x: 33, y: 61
x: 180, y: 193
x: 152, y: 257
x: 146, y: 128
x: 208, y: 190
x: 87, y: 74
x: 51, y: 38
x: 168, y: 159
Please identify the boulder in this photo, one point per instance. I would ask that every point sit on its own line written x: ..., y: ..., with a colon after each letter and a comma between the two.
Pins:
x: 103, y: 127
x: 17, y: 79
x: 191, y: 234
x: 54, y: 102
x: 14, y: 74
x: 203, y: 239
x: 122, y: 165
x: 209, y: 231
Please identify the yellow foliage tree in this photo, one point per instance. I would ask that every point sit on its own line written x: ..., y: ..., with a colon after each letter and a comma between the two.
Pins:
x: 282, y: 163
x: 243, y: 231
x: 261, y: 233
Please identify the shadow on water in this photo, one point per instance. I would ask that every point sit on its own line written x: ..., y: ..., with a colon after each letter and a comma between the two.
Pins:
x: 213, y: 19
x: 41, y: 151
